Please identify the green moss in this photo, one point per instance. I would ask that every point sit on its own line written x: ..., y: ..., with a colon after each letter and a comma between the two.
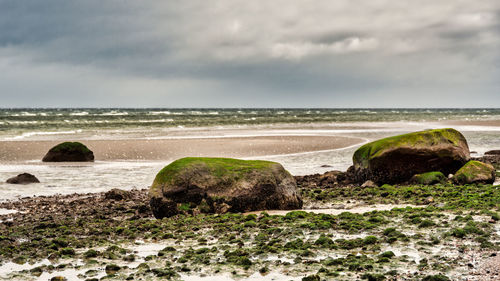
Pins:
x: 373, y: 277
x: 429, y: 178
x: 68, y: 251
x: 218, y: 167
x: 438, y: 277
x: 70, y: 147
x: 426, y: 223
x: 90, y: 253
x: 388, y: 254
x: 415, y: 139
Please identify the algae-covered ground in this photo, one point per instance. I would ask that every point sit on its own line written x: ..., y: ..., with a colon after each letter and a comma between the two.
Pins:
x: 449, y: 233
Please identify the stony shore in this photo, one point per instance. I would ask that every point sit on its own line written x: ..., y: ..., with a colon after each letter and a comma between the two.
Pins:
x: 447, y: 232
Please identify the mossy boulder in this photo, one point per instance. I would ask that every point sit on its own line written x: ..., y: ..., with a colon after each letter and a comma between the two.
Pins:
x: 429, y: 178
x: 69, y: 152
x: 219, y: 185
x: 475, y: 172
x: 396, y: 159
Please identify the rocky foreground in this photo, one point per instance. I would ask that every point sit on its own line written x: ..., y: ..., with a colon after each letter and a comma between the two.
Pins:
x: 448, y: 232
x: 412, y: 207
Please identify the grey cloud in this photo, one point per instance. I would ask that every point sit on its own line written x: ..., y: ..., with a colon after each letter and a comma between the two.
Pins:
x: 273, y: 50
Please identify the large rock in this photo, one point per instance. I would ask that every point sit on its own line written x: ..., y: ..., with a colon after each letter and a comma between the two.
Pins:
x: 69, y: 152
x: 475, y: 172
x: 222, y: 185
x: 23, y: 178
x: 396, y: 159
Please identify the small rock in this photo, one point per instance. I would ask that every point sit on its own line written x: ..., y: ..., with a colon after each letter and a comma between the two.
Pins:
x: 23, y: 178
x: 368, y: 183
x: 112, y: 269
x: 429, y: 200
x: 117, y: 194
x: 326, y: 166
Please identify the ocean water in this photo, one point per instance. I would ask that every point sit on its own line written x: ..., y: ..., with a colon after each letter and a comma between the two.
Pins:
x: 81, y: 124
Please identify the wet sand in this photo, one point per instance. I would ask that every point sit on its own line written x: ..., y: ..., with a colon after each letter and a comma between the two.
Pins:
x: 337, y: 210
x: 167, y: 149
x: 489, y: 123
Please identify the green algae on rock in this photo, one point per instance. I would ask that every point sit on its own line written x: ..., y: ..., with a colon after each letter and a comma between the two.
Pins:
x: 69, y: 152
x: 219, y: 185
x: 475, y: 172
x: 429, y: 178
x: 396, y: 159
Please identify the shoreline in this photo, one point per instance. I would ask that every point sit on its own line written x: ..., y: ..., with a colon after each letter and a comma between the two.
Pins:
x: 170, y: 149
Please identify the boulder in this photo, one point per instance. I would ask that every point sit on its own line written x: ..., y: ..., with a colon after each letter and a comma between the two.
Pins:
x: 69, y: 152
x: 475, y: 172
x: 218, y: 185
x: 429, y: 178
x: 23, y: 178
x: 396, y: 159
x: 492, y: 152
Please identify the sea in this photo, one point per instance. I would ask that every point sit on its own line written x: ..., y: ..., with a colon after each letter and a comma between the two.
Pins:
x: 481, y: 127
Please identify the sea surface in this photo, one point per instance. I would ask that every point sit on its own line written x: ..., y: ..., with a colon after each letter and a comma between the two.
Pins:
x: 480, y: 126
x: 27, y: 122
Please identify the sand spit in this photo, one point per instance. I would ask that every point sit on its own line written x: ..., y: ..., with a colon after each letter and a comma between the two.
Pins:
x: 168, y: 149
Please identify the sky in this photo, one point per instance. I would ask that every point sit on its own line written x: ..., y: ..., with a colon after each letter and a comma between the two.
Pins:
x: 259, y: 53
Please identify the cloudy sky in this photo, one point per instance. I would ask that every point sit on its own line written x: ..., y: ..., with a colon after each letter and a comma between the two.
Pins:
x: 260, y: 53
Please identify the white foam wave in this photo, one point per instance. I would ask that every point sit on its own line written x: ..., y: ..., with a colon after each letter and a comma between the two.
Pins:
x: 160, y: 113
x: 83, y: 113
x: 113, y: 113
x: 31, y: 134
x: 155, y: 120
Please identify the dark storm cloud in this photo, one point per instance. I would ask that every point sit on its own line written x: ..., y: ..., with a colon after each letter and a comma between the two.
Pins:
x: 248, y: 53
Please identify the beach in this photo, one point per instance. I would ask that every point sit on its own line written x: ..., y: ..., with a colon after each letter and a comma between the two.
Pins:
x: 342, y: 232
x: 171, y: 149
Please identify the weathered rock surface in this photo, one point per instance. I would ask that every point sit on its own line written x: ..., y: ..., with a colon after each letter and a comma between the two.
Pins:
x: 23, y: 178
x: 327, y: 180
x: 396, y: 159
x: 218, y: 185
x: 429, y: 178
x: 69, y: 152
x: 117, y: 194
x: 369, y: 184
x: 475, y: 172
x: 491, y: 158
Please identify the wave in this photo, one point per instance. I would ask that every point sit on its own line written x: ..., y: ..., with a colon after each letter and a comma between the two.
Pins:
x: 113, y: 113
x: 83, y: 113
x: 160, y: 113
x: 31, y: 134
